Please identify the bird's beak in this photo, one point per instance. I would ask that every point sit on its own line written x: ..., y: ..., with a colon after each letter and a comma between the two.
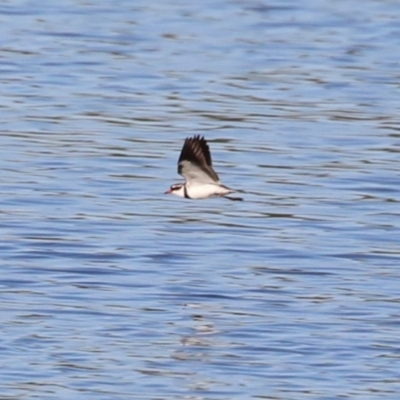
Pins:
x: 168, y: 191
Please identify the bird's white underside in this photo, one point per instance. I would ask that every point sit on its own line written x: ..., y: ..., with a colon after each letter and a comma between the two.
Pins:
x: 202, y: 191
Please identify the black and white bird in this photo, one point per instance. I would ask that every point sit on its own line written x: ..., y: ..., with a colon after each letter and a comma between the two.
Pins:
x: 195, y: 165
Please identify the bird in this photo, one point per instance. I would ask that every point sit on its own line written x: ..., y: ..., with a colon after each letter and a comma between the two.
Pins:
x: 201, y: 181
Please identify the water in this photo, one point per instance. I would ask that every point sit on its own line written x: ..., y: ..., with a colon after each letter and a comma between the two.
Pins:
x: 111, y: 290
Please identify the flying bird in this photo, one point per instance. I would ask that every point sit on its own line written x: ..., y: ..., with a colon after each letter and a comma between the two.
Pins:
x: 195, y: 165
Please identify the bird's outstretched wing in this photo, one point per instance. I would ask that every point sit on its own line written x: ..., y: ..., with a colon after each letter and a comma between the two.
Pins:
x: 195, y: 163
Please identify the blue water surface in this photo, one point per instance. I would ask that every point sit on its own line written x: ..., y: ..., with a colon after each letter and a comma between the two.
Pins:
x: 111, y: 289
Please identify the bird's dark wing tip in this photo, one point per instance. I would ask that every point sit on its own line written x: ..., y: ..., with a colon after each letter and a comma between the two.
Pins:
x: 196, y: 149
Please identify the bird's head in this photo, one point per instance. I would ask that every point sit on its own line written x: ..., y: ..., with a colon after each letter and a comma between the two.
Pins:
x: 177, y: 189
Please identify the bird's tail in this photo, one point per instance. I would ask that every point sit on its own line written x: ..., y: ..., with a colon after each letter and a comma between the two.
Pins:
x: 234, y: 198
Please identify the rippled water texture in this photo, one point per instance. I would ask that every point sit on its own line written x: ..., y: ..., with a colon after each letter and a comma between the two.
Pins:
x: 111, y: 289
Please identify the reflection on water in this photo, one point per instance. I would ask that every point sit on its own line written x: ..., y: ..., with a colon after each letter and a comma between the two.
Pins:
x: 111, y: 289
